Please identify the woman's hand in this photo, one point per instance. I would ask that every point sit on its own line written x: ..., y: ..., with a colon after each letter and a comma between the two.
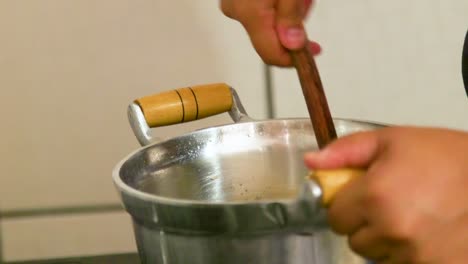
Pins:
x: 274, y: 26
x: 412, y: 204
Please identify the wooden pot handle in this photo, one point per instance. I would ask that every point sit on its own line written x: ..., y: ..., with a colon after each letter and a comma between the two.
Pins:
x: 332, y: 181
x: 186, y: 104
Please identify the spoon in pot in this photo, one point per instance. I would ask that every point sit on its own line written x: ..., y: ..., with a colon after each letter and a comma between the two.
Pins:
x: 330, y: 181
x: 314, y: 96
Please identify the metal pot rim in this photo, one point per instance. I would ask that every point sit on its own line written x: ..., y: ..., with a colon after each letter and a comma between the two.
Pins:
x: 141, y: 195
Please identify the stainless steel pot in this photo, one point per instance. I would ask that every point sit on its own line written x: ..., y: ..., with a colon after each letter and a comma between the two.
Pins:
x: 230, y: 194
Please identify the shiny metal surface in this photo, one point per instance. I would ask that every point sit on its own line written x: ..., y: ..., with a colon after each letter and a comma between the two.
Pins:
x: 465, y: 63
x: 271, y: 248
x: 138, y: 124
x: 231, y: 194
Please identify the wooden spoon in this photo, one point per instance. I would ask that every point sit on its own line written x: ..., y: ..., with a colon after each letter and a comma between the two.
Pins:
x: 314, y: 95
x: 330, y: 181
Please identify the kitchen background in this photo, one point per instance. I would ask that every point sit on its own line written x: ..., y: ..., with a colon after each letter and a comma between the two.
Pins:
x: 69, y: 68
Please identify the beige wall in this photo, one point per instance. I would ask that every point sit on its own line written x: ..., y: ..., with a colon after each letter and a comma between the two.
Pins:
x: 68, y: 70
x: 396, y: 61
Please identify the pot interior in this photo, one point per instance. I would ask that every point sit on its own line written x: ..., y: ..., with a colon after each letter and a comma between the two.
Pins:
x: 244, y: 162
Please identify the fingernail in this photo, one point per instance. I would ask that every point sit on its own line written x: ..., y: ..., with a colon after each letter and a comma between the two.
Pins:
x: 295, y: 38
x: 292, y: 37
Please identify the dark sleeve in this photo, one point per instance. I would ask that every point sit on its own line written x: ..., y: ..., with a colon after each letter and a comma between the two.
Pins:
x: 465, y: 63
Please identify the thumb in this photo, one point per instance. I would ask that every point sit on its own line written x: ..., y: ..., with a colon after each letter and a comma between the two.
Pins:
x: 354, y: 151
x: 307, y: 5
x: 290, y: 30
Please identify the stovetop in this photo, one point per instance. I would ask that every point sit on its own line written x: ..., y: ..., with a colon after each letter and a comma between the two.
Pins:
x: 131, y: 258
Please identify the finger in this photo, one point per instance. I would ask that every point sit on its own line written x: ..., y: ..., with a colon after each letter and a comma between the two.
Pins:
x: 345, y: 215
x: 368, y: 243
x: 307, y: 5
x: 315, y: 48
x: 227, y: 8
x: 260, y: 23
x: 265, y: 41
x: 290, y: 14
x: 268, y: 47
x: 258, y: 20
x: 357, y: 150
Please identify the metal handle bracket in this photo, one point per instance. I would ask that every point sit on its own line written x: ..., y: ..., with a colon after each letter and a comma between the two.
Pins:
x: 142, y: 130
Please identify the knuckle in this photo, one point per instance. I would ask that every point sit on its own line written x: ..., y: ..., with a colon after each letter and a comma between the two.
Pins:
x: 291, y: 9
x: 224, y: 6
x: 290, y: 20
x: 397, y: 223
x: 228, y: 8
x: 401, y: 229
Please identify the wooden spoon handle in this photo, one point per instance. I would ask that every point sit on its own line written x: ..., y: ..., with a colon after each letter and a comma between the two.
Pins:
x: 314, y: 95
